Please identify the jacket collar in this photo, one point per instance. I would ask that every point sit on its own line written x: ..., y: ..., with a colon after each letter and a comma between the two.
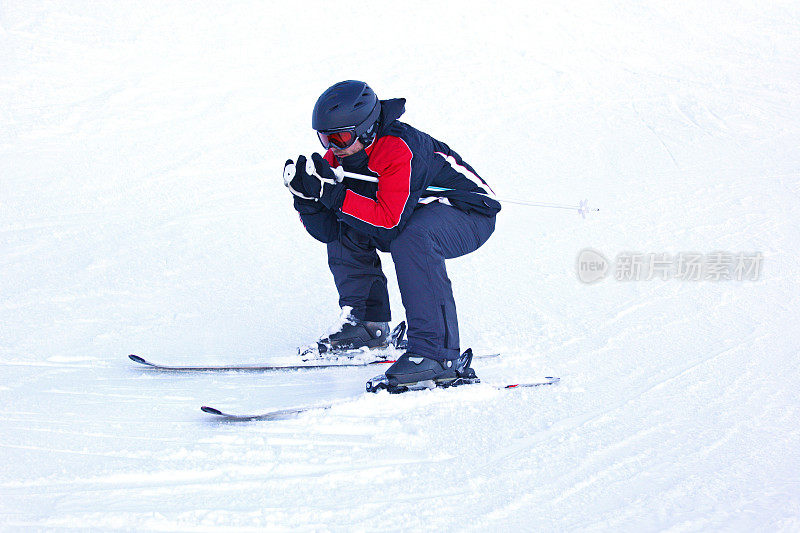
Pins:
x: 391, y: 110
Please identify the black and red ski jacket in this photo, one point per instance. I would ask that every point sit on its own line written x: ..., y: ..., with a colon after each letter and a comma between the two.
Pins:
x: 406, y: 162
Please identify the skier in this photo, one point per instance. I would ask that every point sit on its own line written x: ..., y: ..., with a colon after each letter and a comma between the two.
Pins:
x: 419, y: 227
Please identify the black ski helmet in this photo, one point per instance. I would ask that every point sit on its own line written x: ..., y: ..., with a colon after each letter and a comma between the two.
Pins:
x: 345, y: 105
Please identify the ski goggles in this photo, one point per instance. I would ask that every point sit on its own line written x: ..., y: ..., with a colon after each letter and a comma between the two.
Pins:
x: 340, y: 139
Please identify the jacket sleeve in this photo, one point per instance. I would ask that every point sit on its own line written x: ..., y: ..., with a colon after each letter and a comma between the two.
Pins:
x: 319, y: 221
x: 386, y: 215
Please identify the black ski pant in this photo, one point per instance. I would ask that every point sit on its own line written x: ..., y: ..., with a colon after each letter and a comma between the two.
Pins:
x: 434, y: 232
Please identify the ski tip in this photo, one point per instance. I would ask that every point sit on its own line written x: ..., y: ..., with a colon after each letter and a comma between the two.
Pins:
x: 211, y: 410
x: 137, y: 359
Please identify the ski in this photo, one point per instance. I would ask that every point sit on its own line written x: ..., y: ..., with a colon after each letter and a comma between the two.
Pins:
x: 249, y: 368
x: 284, y: 414
x: 396, y: 341
x: 267, y: 368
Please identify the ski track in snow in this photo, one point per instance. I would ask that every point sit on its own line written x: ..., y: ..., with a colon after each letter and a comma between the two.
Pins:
x: 142, y: 211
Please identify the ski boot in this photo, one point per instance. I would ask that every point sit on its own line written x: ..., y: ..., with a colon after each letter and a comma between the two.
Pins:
x: 411, y: 372
x: 350, y: 334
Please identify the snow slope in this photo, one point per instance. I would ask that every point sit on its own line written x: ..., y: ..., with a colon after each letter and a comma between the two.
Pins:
x: 142, y: 211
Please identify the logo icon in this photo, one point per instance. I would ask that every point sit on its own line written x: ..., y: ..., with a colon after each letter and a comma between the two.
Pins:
x: 591, y: 266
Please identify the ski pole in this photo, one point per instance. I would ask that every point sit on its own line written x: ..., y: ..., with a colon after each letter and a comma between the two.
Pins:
x: 582, y: 208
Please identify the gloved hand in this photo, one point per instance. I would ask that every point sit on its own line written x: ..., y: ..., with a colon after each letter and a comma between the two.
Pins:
x: 299, y: 181
x: 314, y: 180
x: 332, y: 191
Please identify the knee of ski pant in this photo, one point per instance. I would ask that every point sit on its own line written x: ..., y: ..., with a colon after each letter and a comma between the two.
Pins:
x: 413, y: 238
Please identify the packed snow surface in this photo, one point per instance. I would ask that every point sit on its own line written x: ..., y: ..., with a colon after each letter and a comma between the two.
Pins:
x: 142, y: 211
